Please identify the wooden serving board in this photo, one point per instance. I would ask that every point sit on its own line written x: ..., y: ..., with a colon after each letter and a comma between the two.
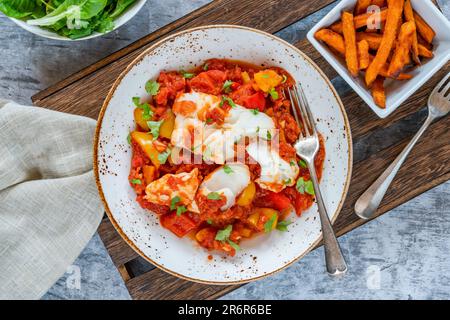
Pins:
x: 427, y: 166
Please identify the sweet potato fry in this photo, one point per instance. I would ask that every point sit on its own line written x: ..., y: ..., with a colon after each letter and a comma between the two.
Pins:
x: 332, y: 39
x: 409, y: 16
x: 373, y: 39
x: 363, y: 54
x: 424, y: 28
x: 379, y: 3
x: 403, y: 45
x: 378, y: 93
x: 361, y: 6
x: 359, y: 21
x: 425, y: 52
x: 395, y: 9
x: 351, y: 51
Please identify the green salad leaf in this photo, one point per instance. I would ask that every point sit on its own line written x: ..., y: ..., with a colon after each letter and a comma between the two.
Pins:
x: 70, y: 18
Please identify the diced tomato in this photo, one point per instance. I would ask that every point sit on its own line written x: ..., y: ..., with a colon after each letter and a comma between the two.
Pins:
x: 277, y: 201
x: 302, y: 203
x: 255, y: 101
x: 209, y: 82
x: 170, y: 84
x: 179, y: 225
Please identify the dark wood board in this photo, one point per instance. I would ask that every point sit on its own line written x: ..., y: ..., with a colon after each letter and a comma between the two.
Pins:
x: 83, y: 94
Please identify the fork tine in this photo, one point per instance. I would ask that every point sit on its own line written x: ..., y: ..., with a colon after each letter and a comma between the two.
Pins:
x: 440, y: 84
x: 312, y: 123
x: 304, y: 113
x: 443, y: 92
x: 295, y: 103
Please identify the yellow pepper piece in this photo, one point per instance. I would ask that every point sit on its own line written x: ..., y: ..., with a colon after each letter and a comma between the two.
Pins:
x: 139, y: 119
x: 267, y: 80
x: 247, y: 195
x: 167, y: 126
x: 149, y: 174
x: 253, y: 219
x: 245, y: 77
x: 269, y: 214
x: 145, y: 141
x: 245, y: 232
x: 202, y: 234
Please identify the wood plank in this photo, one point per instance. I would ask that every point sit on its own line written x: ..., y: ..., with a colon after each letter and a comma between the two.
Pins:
x: 118, y: 249
x: 268, y: 17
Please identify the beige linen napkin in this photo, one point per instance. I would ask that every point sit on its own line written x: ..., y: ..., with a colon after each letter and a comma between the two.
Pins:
x: 49, y: 206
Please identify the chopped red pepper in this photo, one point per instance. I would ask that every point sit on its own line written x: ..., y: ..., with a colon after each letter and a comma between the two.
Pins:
x: 277, y: 201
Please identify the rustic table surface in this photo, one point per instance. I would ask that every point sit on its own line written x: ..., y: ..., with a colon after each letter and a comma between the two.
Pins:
x: 403, y: 254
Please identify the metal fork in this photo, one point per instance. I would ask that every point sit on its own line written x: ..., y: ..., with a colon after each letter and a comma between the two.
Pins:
x: 438, y: 106
x: 307, y: 147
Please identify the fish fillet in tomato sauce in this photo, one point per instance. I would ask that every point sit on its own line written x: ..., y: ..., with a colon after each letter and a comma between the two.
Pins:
x: 220, y: 201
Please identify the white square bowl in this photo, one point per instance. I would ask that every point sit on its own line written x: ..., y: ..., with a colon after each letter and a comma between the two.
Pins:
x: 396, y: 91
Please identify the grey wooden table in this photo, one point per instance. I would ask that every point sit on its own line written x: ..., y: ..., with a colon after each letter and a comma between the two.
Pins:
x: 404, y: 254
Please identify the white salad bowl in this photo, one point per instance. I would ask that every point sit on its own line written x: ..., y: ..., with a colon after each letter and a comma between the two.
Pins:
x: 396, y: 91
x: 119, y: 21
x: 264, y: 254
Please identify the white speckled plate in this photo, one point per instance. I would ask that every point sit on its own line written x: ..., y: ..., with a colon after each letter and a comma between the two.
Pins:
x: 260, y: 256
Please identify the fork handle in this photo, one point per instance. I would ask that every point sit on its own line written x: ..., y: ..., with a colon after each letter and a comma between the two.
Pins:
x: 368, y: 203
x: 334, y: 258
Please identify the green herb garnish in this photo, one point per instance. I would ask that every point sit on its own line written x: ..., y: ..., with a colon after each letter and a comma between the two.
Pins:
x: 213, y: 196
x: 148, y: 113
x: 162, y: 157
x: 136, y: 101
x: 227, y: 86
x: 269, y: 135
x: 303, y: 186
x: 173, y: 202
x: 205, y: 67
x: 274, y: 94
x: 268, y: 226
x: 229, y: 100
x: 209, y: 221
x: 227, y: 169
x: 282, y: 225
x: 152, y: 87
x: 234, y: 245
x: 181, y: 210
x: 254, y: 111
x: 154, y: 127
x: 223, y: 235
x: 187, y: 75
x: 136, y: 181
x: 129, y: 138
x: 302, y: 163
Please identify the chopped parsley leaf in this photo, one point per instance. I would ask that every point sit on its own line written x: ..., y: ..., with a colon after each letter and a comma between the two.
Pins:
x: 274, y: 94
x: 129, y: 138
x: 213, y: 196
x: 269, y: 135
x: 162, y: 157
x: 234, y: 245
x: 181, y: 210
x: 205, y: 67
x: 268, y: 226
x: 229, y: 100
x: 282, y: 225
x: 227, y: 169
x: 148, y: 113
x: 303, y: 186
x: 227, y: 86
x: 302, y: 163
x: 136, y: 181
x: 174, y: 202
x: 154, y: 127
x: 254, y: 111
x: 187, y: 75
x: 223, y: 235
x: 152, y: 87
